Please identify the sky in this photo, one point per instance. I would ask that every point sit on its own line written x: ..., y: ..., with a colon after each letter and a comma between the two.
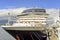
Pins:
x: 29, y: 3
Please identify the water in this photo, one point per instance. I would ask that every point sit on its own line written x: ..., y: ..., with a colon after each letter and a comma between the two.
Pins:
x: 3, y: 21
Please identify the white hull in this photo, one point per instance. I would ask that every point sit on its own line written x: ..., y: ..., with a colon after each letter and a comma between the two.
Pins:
x: 24, y: 28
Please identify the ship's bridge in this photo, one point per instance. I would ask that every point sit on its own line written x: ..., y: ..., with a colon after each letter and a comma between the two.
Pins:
x: 34, y: 10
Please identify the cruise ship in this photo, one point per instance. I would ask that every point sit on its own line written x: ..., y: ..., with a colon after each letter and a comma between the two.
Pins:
x: 30, y: 25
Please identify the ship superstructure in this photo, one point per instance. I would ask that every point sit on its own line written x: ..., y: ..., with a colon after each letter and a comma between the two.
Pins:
x: 30, y: 18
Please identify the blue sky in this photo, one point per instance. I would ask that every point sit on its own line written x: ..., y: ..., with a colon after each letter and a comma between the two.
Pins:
x: 29, y: 3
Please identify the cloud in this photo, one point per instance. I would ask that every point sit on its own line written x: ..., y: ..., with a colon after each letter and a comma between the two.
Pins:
x: 15, y: 11
x: 53, y: 13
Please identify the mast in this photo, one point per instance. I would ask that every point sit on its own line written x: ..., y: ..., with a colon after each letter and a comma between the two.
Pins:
x: 8, y: 18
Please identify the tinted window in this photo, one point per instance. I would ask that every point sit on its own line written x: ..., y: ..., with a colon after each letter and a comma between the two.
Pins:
x: 34, y: 10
